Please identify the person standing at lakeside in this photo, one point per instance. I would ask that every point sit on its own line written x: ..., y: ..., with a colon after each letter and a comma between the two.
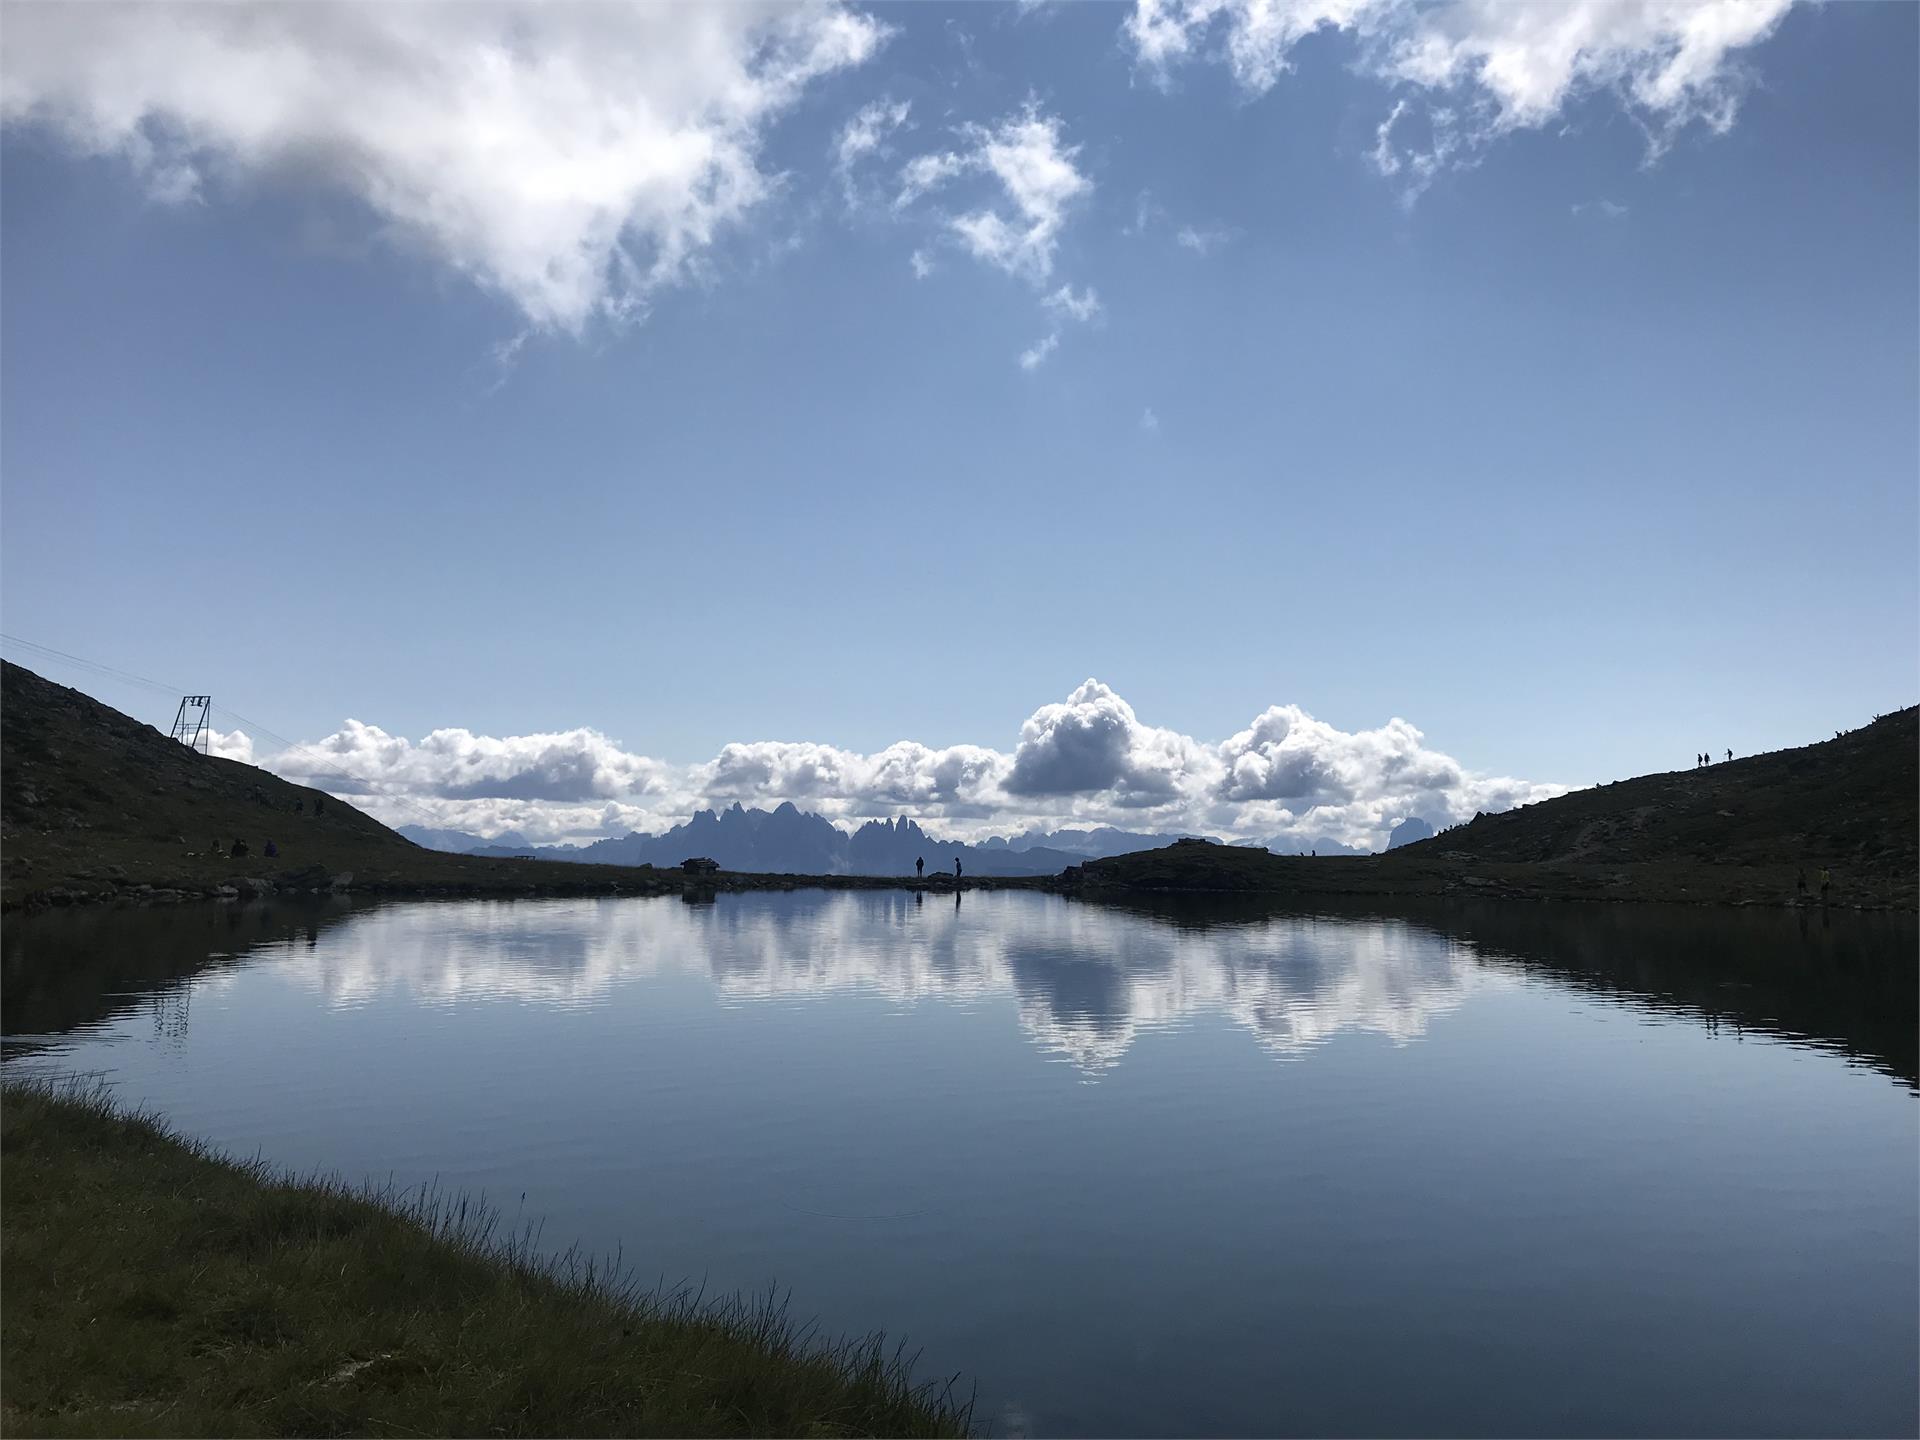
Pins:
x: 920, y: 868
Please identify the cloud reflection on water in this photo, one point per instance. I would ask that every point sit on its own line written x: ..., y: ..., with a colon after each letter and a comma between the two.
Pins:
x: 1086, y: 982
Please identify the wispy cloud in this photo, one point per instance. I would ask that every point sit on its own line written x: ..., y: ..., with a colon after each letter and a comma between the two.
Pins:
x: 1068, y: 306
x: 1413, y: 166
x: 1491, y: 67
x: 1203, y: 239
x: 1146, y: 212
x: 1034, y: 183
x: 1037, y: 354
x: 1065, y: 307
x: 1038, y: 180
x: 865, y: 135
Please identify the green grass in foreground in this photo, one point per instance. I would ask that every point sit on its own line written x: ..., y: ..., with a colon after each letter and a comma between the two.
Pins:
x: 153, y: 1288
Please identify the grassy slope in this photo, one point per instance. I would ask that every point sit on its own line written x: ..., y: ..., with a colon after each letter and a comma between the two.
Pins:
x: 154, y: 1289
x: 1851, y: 803
x: 93, y: 801
x: 1735, y: 832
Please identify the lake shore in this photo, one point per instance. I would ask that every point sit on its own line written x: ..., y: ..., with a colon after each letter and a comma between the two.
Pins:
x: 147, y: 879
x: 155, y: 1287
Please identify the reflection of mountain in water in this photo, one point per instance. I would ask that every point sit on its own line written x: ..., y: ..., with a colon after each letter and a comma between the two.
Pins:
x: 69, y: 969
x: 1085, y: 980
x: 1088, y: 981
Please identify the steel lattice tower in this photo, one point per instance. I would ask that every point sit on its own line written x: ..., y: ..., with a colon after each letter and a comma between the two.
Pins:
x: 190, y: 722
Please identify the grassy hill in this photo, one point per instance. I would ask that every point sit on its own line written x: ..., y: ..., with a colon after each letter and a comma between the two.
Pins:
x: 94, y: 803
x: 1737, y: 832
x: 79, y: 779
x: 1851, y: 803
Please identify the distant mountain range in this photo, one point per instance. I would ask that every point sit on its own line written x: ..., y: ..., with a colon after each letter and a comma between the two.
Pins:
x: 790, y: 841
x: 459, y: 842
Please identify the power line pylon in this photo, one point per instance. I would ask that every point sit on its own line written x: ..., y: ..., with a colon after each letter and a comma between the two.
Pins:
x: 190, y: 725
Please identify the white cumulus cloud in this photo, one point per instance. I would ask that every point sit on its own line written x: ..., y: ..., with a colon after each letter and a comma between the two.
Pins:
x: 236, y: 745
x: 1093, y: 742
x: 573, y: 159
x: 571, y: 766
x: 1088, y: 759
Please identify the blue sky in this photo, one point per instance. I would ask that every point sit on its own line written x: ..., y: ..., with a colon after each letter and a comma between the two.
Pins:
x: 1574, y: 421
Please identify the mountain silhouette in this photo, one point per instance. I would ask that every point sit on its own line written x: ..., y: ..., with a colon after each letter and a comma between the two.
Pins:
x: 459, y: 842
x: 789, y: 841
x: 1088, y: 844
x: 1312, y: 845
x: 1408, y: 831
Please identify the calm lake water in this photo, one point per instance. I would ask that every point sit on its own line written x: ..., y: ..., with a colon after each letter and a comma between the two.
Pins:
x: 1208, y: 1170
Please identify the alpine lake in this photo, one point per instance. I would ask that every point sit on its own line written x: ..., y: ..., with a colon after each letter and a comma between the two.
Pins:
x: 1205, y: 1168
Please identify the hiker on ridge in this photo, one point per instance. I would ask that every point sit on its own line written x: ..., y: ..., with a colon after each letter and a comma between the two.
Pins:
x: 1729, y: 756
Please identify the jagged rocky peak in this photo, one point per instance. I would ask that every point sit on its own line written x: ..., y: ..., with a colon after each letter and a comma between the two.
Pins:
x: 1407, y: 831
